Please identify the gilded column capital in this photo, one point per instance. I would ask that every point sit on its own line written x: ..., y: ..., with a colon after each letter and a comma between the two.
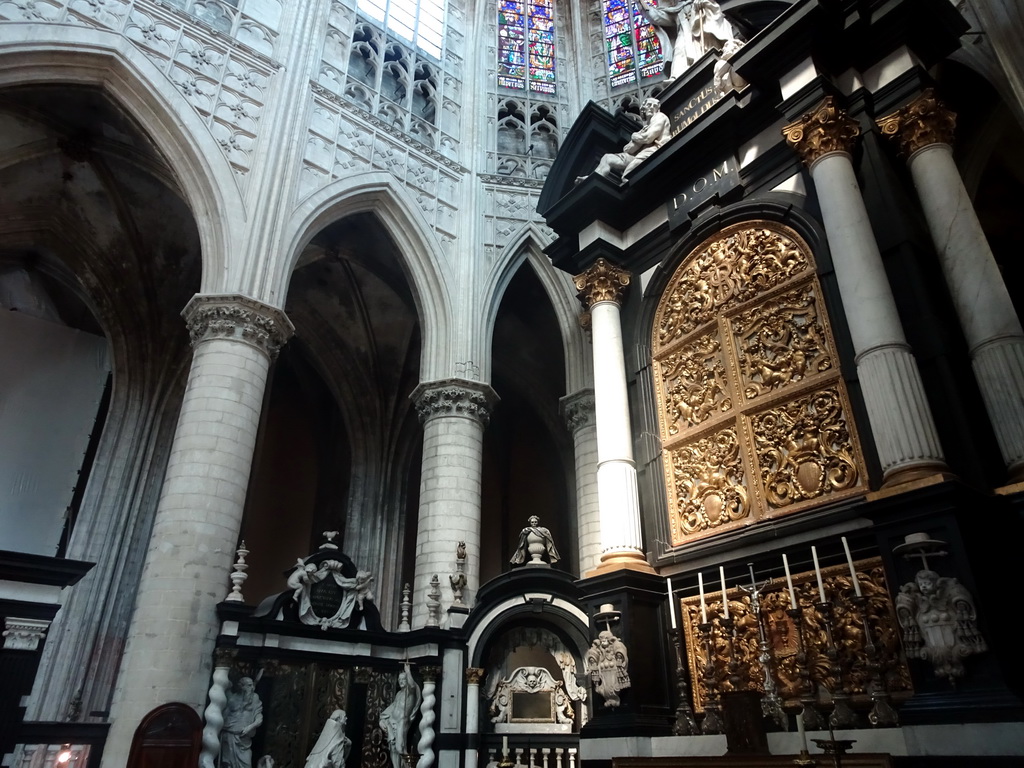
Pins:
x: 233, y: 316
x: 824, y: 130
x: 430, y: 673
x: 923, y: 122
x: 603, y: 281
x: 454, y: 397
x: 474, y: 675
x: 578, y: 410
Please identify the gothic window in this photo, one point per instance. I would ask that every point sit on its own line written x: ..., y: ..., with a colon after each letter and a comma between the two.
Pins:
x: 419, y: 22
x: 526, y: 45
x: 753, y: 413
x: 634, y: 51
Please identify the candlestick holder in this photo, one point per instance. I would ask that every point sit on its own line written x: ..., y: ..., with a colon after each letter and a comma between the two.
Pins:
x: 804, y: 758
x: 771, y: 702
x: 712, y: 723
x: 842, y: 715
x: 685, y: 724
x: 882, y: 713
x: 813, y: 720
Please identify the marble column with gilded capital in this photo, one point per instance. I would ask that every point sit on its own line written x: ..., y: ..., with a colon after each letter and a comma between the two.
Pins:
x: 474, y: 676
x: 578, y: 411
x: 601, y: 289
x: 454, y: 414
x: 901, y: 420
x: 169, y: 653
x: 924, y: 130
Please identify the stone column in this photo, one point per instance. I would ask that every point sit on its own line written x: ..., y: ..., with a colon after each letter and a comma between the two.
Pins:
x: 924, y: 130
x: 578, y: 412
x: 454, y: 413
x: 600, y: 289
x: 473, y: 677
x: 169, y: 652
x: 901, y: 420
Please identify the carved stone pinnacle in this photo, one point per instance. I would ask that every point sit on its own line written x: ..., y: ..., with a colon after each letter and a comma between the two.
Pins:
x: 923, y: 122
x: 824, y: 130
x: 602, y: 282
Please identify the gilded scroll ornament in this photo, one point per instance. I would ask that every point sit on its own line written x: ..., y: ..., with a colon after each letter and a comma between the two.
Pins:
x: 822, y: 131
x: 804, y: 448
x: 707, y: 478
x: 694, y: 385
x: 923, y: 122
x: 780, y: 341
x: 729, y: 269
x: 602, y: 282
x: 742, y: 651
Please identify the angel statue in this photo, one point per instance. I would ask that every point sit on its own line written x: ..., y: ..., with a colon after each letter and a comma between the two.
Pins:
x: 939, y: 622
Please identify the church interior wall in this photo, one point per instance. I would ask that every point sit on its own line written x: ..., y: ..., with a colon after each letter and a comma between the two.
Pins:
x: 383, y: 199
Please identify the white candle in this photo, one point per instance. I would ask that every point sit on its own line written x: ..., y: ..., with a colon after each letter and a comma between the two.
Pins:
x: 789, y: 583
x: 800, y: 729
x: 703, y: 605
x: 817, y: 573
x: 725, y: 597
x: 504, y: 746
x: 853, y: 571
x: 671, y: 604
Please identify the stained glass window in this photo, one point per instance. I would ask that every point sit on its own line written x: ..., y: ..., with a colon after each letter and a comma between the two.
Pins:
x: 634, y: 51
x: 526, y: 45
x: 420, y: 22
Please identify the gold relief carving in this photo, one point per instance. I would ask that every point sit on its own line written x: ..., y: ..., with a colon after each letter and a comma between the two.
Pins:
x: 822, y: 131
x: 707, y: 481
x: 783, y: 637
x: 733, y: 267
x: 602, y: 282
x: 780, y: 341
x: 693, y: 380
x: 923, y: 122
x: 804, y: 448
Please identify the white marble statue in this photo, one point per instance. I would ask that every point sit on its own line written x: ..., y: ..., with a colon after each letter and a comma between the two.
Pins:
x: 608, y: 665
x: 397, y: 716
x: 332, y: 747
x: 939, y: 622
x: 642, y: 144
x: 534, y: 542
x: 243, y: 715
x: 688, y: 30
x: 726, y: 78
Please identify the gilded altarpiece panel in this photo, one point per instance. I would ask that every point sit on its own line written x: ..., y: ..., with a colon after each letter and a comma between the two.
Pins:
x: 753, y: 414
x: 735, y: 656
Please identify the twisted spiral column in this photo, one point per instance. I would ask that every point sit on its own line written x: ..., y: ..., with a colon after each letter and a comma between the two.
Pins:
x: 425, y: 746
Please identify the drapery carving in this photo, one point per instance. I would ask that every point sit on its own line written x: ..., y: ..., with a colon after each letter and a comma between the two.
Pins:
x: 753, y: 415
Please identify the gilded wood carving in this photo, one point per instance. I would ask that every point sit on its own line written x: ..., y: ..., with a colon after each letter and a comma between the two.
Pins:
x: 754, y: 417
x: 848, y: 632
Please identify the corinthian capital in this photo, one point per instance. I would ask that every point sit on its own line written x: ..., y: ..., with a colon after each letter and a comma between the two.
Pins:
x: 233, y: 316
x: 923, y: 122
x: 454, y: 397
x: 602, y: 282
x: 824, y: 130
x: 578, y: 410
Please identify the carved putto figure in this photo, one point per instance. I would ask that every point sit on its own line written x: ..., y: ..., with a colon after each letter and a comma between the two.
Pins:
x: 608, y: 666
x: 688, y: 30
x: 242, y: 716
x: 534, y: 542
x: 333, y: 746
x: 397, y: 716
x: 939, y: 622
x: 642, y: 144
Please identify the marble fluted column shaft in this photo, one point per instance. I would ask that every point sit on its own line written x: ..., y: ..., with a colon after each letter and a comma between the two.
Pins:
x: 990, y: 323
x: 601, y: 288
x: 169, y: 652
x: 901, y: 420
x: 454, y: 413
x: 578, y: 412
